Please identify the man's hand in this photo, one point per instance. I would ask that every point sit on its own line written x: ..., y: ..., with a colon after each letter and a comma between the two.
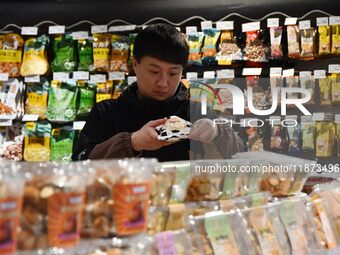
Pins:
x: 146, y: 137
x: 203, y: 130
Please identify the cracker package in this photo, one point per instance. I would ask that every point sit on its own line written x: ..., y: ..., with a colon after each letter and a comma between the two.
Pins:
x: 87, y: 93
x: 62, y: 143
x: 64, y: 50
x: 209, y: 47
x: 10, y: 54
x: 276, y: 42
x: 228, y: 49
x: 85, y: 52
x: 35, y: 57
x: 293, y: 39
x: 308, y: 134
x: 119, y: 53
x: 324, y: 40
x: 325, y: 92
x: 335, y: 40
x: 195, y: 44
x: 255, y: 50
x: 101, y: 52
x: 36, y: 98
x: 325, y: 138
x: 37, y: 141
x: 308, y: 43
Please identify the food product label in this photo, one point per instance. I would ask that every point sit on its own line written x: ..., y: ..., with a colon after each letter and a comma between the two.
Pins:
x: 191, y: 30
x: 61, y: 76
x: 10, y: 56
x: 98, y: 78
x: 334, y: 20
x: 275, y: 72
x: 29, y: 30
x: 290, y: 21
x: 305, y: 75
x: 131, y: 79
x: 122, y: 28
x: 288, y: 72
x: 101, y: 53
x: 192, y: 76
x: 131, y: 207
x: 9, y: 221
x: 34, y: 78
x: 64, y: 218
x: 30, y: 117
x: 251, y: 71
x: 304, y: 24
x: 252, y: 26
x: 180, y: 185
x: 78, y: 125
x: 165, y: 243
x: 334, y: 68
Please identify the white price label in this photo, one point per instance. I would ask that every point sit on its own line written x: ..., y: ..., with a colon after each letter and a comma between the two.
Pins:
x: 4, y: 76
x: 273, y: 22
x: 305, y: 75
x: 80, y: 35
x: 131, y: 79
x: 288, y: 72
x: 306, y: 119
x: 6, y: 123
x: 225, y: 25
x: 61, y: 76
x: 78, y: 125
x: 81, y: 75
x: 95, y: 78
x: 192, y: 76
x: 251, y: 71
x: 191, y: 30
x: 252, y: 26
x: 209, y: 75
x: 337, y: 118
x: 322, y: 21
x: 122, y: 28
x: 34, y: 78
x: 304, y: 24
x: 319, y: 74
x: 334, y: 20
x: 290, y: 21
x: 30, y: 117
x: 53, y: 30
x: 206, y: 25
x: 99, y: 29
x: 318, y: 116
x: 29, y: 30
x: 334, y: 68
x: 275, y: 72
x: 116, y: 76
x: 226, y: 74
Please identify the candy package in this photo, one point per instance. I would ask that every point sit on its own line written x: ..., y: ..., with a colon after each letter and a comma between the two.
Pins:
x: 36, y: 98
x: 209, y: 47
x: 101, y: 52
x: 64, y: 50
x: 87, y: 93
x: 10, y: 54
x: 11, y: 104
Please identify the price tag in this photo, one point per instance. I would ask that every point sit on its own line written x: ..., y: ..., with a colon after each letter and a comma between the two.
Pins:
x: 305, y: 75
x: 122, y: 28
x: 318, y: 116
x: 4, y: 76
x: 319, y: 74
x: 78, y: 125
x: 209, y: 75
x: 225, y: 25
x: 334, y: 68
x: 337, y: 118
x: 61, y: 76
x: 191, y: 30
x: 6, y: 123
x: 334, y: 20
x: 322, y: 21
x: 206, y: 25
x: 288, y: 72
x: 116, y: 76
x: 192, y: 76
x: 226, y: 74
x: 273, y: 22
x: 53, y: 30
x: 252, y: 26
x: 80, y: 35
x: 34, y: 78
x: 251, y: 71
x: 30, y: 117
x: 29, y: 30
x: 306, y: 119
x: 131, y: 79
x: 304, y: 24
x: 99, y: 29
x: 96, y: 78
x: 81, y: 75
x: 290, y: 21
x: 275, y: 72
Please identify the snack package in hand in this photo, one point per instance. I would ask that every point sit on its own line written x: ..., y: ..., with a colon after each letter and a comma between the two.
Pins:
x: 174, y: 129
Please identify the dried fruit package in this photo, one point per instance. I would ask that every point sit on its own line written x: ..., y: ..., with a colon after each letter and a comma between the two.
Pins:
x: 308, y: 43
x: 275, y: 42
x: 336, y: 40
x: 294, y: 135
x: 278, y: 139
x: 64, y: 50
x: 62, y: 143
x: 10, y: 54
x: 324, y: 40
x: 293, y: 39
x: 325, y: 138
x: 104, y: 91
x: 37, y: 141
x: 255, y: 50
x: 35, y: 57
x: 85, y: 51
x: 195, y: 41
x: 335, y: 83
x: 62, y: 101
x: 11, y: 106
x: 87, y: 96
x: 228, y: 49
x: 209, y: 46
x: 53, y: 203
x: 36, y: 98
x: 308, y: 134
x: 101, y: 52
x: 260, y: 92
x: 325, y: 92
x: 120, y: 53
x: 309, y: 84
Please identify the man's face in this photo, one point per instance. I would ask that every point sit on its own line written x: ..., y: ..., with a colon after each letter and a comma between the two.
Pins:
x: 157, y: 79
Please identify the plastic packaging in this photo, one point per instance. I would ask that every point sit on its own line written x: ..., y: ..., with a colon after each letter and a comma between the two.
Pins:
x: 308, y: 43
x: 335, y: 82
x: 104, y: 91
x: 308, y: 134
x: 228, y: 49
x: 11, y: 92
x: 294, y: 135
x: 325, y: 92
x: 278, y: 139
x: 335, y: 40
x: 293, y: 39
x: 87, y: 95
x: 36, y: 98
x: 176, y: 219
x: 325, y: 138
x: 177, y: 242
x: 101, y: 52
x: 119, y: 53
x: 64, y: 49
x: 10, y: 54
x: 209, y: 47
x: 62, y: 143
x: 200, y: 208
x: 324, y: 40
x: 179, y: 189
x: 85, y: 52
x: 195, y: 43
x: 310, y: 85
x: 276, y: 42
x: 255, y: 50
x: 158, y: 217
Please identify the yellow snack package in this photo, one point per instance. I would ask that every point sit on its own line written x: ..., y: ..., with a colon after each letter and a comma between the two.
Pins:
x: 336, y: 40
x: 325, y: 138
x: 104, y: 91
x: 324, y: 40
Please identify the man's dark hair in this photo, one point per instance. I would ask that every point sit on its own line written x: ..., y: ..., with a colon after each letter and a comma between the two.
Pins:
x: 162, y: 41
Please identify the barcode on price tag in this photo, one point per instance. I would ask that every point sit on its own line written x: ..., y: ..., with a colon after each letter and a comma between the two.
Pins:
x: 225, y: 25
x: 34, y: 78
x: 52, y: 30
x: 252, y: 26
x: 304, y: 24
x: 334, y: 68
x: 273, y: 22
x: 78, y: 125
x: 99, y: 29
x: 30, y: 117
x: 81, y: 75
x: 290, y: 21
x: 4, y: 76
x: 29, y: 30
x: 122, y: 28
x: 205, y: 25
x: 98, y: 78
x: 60, y: 76
x: 319, y: 74
x: 322, y: 21
x: 275, y: 72
x: 209, y: 75
x: 305, y: 75
x: 191, y: 30
x: 288, y: 72
x: 226, y: 74
x: 131, y: 79
x: 116, y: 76
x: 251, y: 71
x: 80, y: 35
x: 318, y: 116
x: 192, y: 76
x: 334, y: 20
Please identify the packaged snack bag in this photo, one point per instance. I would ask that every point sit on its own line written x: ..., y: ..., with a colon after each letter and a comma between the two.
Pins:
x: 64, y: 49
x: 10, y: 54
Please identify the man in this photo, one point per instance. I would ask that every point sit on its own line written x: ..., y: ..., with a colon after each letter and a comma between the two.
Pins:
x: 125, y: 127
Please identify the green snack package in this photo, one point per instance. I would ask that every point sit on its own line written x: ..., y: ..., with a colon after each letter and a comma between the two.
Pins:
x: 87, y: 98
x: 62, y: 143
x: 64, y: 54
x: 62, y: 101
x: 85, y: 55
x: 36, y: 98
